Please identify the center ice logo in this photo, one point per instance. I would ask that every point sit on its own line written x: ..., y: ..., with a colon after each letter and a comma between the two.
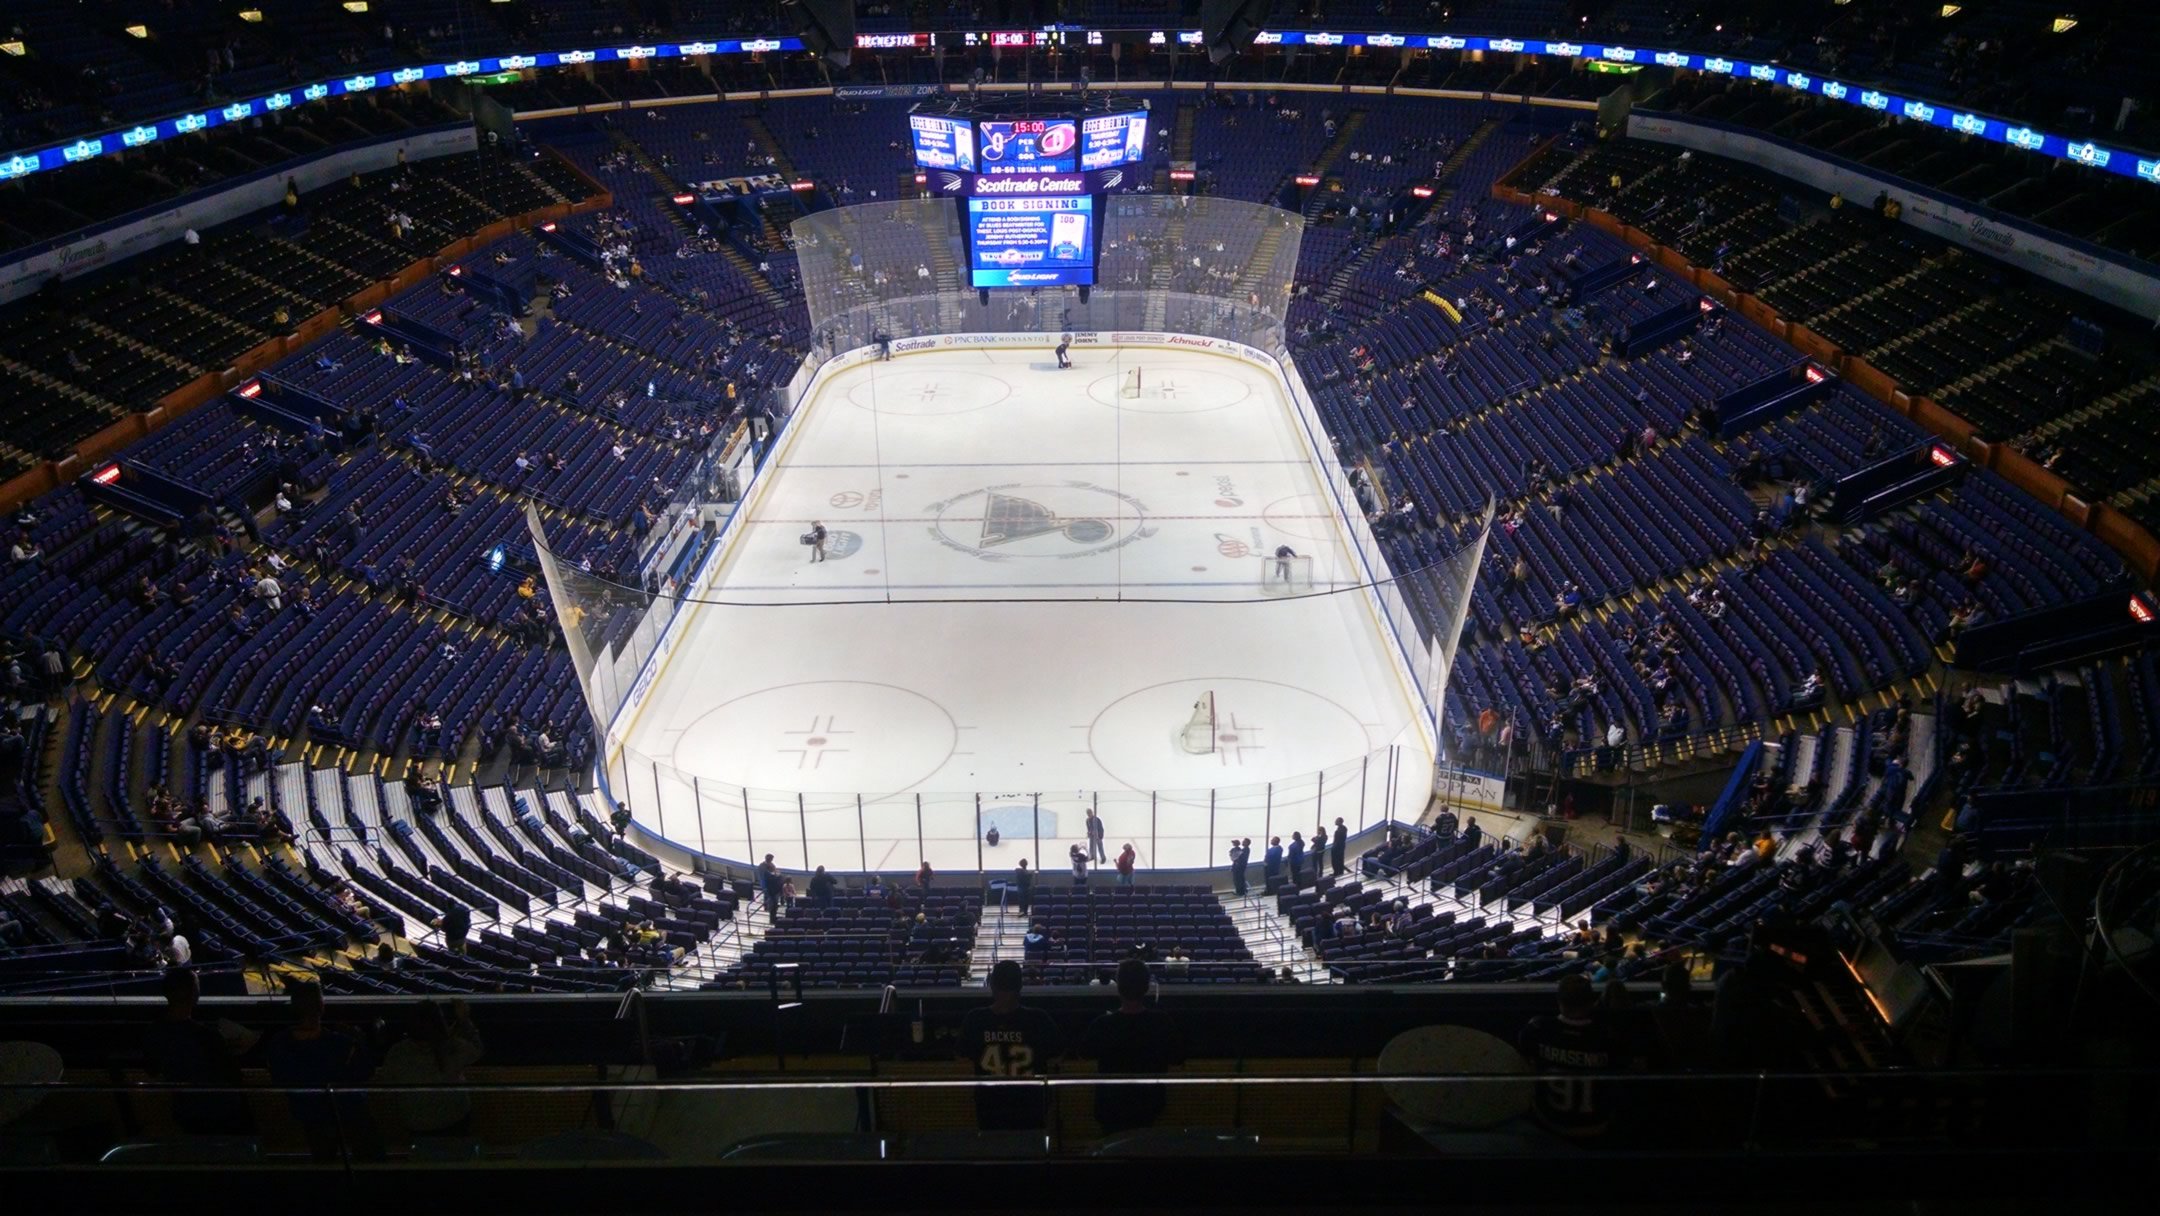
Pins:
x: 1008, y: 518
x: 1070, y: 519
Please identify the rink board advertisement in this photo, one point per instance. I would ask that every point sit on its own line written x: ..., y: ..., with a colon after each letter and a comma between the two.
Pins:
x: 1461, y: 789
x: 1031, y: 242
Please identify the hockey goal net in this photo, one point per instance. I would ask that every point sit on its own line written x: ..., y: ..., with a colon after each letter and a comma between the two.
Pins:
x: 1198, y: 737
x: 1286, y: 575
x: 1129, y: 383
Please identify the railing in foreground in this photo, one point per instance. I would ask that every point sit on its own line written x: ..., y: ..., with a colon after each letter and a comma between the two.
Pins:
x: 1490, y: 1107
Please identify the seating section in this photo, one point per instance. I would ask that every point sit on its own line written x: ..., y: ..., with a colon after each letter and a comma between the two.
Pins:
x: 1437, y: 906
x: 1652, y: 591
x: 80, y: 73
x: 1490, y: 920
x: 1999, y: 350
x: 81, y: 359
x: 1623, y: 523
x: 1086, y: 931
x: 741, y: 275
x: 908, y: 936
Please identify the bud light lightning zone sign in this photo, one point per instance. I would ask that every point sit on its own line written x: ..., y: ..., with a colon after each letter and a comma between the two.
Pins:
x: 1031, y: 241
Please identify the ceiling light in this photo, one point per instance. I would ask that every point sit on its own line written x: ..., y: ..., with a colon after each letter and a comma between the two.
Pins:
x: 2064, y: 25
x: 14, y: 46
x: 251, y: 15
x: 1952, y: 10
x: 138, y: 31
x: 355, y: 6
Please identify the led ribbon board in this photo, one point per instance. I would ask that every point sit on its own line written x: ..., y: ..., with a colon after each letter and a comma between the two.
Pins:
x: 2120, y: 161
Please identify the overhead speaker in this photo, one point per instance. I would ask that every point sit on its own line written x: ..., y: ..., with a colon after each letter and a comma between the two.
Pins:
x: 1229, y: 26
x: 826, y: 27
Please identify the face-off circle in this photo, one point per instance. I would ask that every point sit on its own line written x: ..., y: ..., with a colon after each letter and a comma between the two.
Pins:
x: 820, y: 736
x: 1265, y: 731
x: 927, y: 392
x: 1172, y: 390
x: 1305, y: 516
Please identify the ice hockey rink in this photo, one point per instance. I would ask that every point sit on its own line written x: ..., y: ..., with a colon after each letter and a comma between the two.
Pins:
x: 1031, y: 580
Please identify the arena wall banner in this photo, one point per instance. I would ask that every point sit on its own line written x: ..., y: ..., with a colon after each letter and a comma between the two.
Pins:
x: 2082, y: 268
x: 138, y: 233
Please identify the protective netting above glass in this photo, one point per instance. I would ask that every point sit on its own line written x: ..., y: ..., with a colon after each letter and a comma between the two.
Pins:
x: 1211, y: 267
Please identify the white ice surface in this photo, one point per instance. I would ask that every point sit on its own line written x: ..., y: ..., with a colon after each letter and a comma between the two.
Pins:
x: 1031, y: 580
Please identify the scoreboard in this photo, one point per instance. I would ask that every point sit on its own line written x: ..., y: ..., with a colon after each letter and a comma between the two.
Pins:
x: 1031, y: 242
x: 1029, y: 181
x: 1034, y: 145
x: 1029, y: 145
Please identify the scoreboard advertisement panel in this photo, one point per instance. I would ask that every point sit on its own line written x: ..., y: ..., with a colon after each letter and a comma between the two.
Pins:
x: 1013, y: 146
x: 1036, y: 145
x: 1031, y: 241
x: 943, y: 143
x: 1113, y: 139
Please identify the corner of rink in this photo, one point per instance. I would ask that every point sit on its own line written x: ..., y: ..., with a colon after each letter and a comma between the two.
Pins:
x: 1028, y: 575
